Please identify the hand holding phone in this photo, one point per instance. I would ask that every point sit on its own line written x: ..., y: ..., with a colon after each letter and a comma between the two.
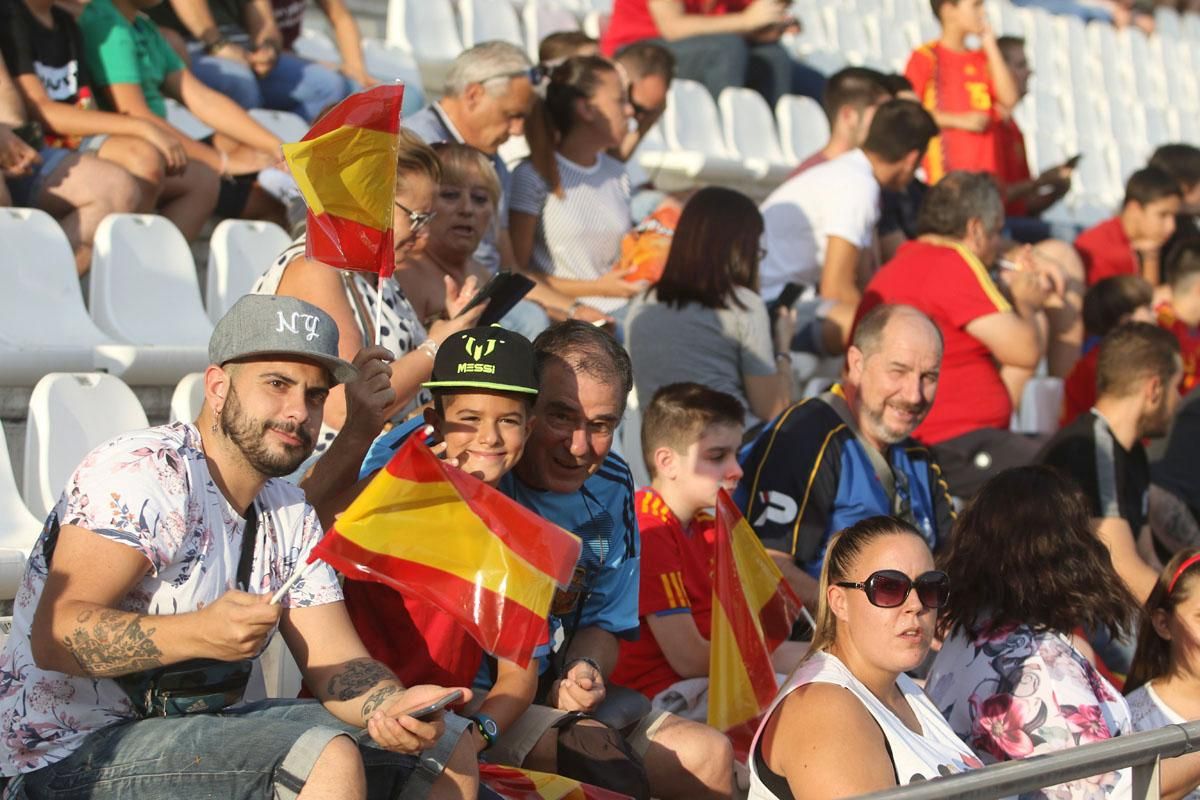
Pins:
x: 425, y: 712
x: 501, y: 293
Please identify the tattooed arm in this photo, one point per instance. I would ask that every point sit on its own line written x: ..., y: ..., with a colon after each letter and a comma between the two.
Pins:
x: 353, y: 686
x: 78, y: 631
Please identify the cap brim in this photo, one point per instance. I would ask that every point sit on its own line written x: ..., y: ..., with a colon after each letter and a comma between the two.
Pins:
x: 341, y: 370
x: 495, y: 387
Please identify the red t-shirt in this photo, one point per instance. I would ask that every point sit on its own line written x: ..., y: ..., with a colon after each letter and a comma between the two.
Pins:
x: 949, y: 80
x: 1012, y: 162
x: 1079, y: 389
x: 1189, y: 344
x: 631, y: 20
x: 676, y: 578
x: 1106, y: 251
x: 951, y: 286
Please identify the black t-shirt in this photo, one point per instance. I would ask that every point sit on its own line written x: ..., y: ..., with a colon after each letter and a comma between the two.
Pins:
x: 1176, y: 471
x: 54, y: 55
x: 1115, y: 481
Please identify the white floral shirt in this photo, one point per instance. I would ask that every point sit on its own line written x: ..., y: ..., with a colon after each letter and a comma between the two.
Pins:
x: 1012, y: 692
x: 151, y: 491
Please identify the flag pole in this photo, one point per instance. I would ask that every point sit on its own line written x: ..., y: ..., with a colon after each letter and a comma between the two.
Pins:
x: 379, y: 308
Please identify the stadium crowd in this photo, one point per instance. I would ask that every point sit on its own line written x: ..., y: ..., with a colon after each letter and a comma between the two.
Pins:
x: 977, y: 594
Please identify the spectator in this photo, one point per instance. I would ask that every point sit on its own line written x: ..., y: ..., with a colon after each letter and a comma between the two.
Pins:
x: 850, y: 701
x: 820, y: 225
x: 135, y: 70
x: 1181, y: 162
x: 850, y: 99
x: 289, y: 19
x: 704, y: 320
x: 236, y: 48
x: 721, y: 44
x: 690, y: 440
x: 1175, y: 488
x: 1131, y: 242
x: 1180, y: 314
x: 43, y: 50
x: 967, y: 91
x: 898, y: 210
x: 990, y: 348
x: 1025, y: 197
x: 1111, y: 302
x: 561, y: 45
x: 830, y: 461
x: 1011, y: 679
x: 112, y: 597
x: 352, y: 298
x: 1161, y: 689
x: 1137, y: 382
x: 570, y: 199
x: 77, y: 189
x: 649, y: 68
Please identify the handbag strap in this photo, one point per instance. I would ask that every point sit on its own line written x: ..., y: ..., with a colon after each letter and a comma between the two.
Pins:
x: 883, y: 470
x: 249, y: 542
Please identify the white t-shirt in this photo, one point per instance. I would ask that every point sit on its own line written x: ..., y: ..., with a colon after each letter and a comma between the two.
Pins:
x: 151, y: 491
x: 837, y: 198
x: 1148, y: 712
x: 578, y: 235
x: 934, y: 752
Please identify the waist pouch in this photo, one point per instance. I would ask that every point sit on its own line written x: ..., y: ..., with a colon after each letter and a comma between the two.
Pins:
x: 201, y: 685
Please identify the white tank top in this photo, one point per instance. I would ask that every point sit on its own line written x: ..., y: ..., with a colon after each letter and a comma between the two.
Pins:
x: 915, y: 756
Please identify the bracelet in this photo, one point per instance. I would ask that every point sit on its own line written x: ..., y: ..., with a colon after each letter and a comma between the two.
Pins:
x: 430, y: 348
x: 215, y: 44
x: 585, y: 660
x: 782, y: 356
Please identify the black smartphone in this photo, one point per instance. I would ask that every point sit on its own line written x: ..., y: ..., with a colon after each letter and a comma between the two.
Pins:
x: 502, y: 292
x: 428, y: 711
x: 787, y: 298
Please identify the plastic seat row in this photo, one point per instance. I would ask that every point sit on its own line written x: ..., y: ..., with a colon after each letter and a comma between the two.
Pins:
x: 145, y: 320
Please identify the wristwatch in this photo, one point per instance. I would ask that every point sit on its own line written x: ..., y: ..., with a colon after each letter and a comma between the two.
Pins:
x: 488, y: 729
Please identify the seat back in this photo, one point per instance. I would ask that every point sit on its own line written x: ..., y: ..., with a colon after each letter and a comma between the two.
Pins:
x: 488, y: 20
x: 803, y: 126
x: 691, y: 121
x: 18, y: 527
x: 389, y: 63
x: 69, y: 415
x: 238, y: 253
x: 317, y: 46
x: 425, y: 28
x: 188, y: 398
x: 1041, y: 405
x: 284, y: 124
x: 542, y: 18
x: 748, y: 125
x: 143, y: 283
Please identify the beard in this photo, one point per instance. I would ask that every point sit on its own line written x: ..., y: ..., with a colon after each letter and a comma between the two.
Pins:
x: 874, y: 420
x: 1155, y: 422
x: 249, y: 436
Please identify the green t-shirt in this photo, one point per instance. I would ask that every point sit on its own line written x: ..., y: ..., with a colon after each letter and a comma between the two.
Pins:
x: 120, y: 51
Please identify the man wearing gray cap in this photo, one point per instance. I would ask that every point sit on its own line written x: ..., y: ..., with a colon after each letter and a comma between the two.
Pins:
x: 163, y: 571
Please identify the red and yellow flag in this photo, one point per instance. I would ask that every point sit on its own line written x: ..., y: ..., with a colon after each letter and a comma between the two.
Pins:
x: 345, y: 167
x: 753, y: 611
x: 431, y: 531
x: 513, y: 783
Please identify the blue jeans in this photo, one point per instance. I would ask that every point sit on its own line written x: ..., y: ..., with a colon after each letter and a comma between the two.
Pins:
x: 262, y: 750
x: 302, y: 87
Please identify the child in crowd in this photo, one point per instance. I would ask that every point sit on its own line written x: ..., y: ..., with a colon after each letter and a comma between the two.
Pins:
x: 967, y: 91
x: 1111, y: 302
x: 690, y: 440
x: 1131, y: 242
x: 1181, y: 313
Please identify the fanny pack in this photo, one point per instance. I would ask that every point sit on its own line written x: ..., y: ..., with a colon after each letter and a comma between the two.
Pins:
x: 199, y: 685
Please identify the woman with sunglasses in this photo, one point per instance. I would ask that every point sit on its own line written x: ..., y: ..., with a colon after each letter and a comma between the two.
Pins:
x: 352, y: 298
x: 1011, y: 679
x: 849, y: 703
x: 1163, y: 687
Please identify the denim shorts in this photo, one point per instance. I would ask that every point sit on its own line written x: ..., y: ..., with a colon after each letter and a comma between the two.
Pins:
x: 261, y: 750
x: 26, y: 190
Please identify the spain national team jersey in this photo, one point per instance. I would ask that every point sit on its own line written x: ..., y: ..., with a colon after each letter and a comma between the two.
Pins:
x: 1189, y: 344
x: 676, y: 578
x: 1012, y: 162
x: 955, y: 81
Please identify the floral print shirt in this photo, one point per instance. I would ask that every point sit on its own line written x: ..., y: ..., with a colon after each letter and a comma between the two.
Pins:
x: 151, y: 491
x: 1013, y: 692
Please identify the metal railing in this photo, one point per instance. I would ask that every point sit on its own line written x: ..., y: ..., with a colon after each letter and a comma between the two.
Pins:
x: 1142, y: 751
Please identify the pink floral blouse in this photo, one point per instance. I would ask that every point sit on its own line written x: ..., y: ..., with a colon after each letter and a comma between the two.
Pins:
x: 1013, y: 692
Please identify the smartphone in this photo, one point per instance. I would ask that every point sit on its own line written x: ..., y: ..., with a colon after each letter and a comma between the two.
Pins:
x: 425, y: 712
x: 502, y: 292
x: 787, y: 298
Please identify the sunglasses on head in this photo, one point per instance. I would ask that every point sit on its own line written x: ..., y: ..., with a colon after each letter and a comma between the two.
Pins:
x: 416, y: 219
x: 889, y: 588
x: 536, y: 74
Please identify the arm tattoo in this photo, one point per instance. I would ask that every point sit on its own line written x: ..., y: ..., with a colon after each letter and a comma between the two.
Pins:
x: 356, y: 678
x: 115, y: 644
x: 377, y: 698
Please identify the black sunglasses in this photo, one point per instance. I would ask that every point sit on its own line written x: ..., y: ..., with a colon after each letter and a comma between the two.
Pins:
x: 889, y: 588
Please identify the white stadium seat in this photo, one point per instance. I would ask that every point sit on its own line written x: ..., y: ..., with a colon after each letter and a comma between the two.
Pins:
x: 186, y: 121
x: 316, y: 45
x: 387, y: 62
x: 692, y: 132
x: 238, y: 253
x: 144, y: 293
x: 803, y: 126
x: 490, y: 20
x: 428, y: 30
x: 69, y: 415
x: 19, y: 529
x: 188, y: 398
x: 542, y: 18
x: 749, y: 130
x: 287, y: 126
x: 1041, y: 405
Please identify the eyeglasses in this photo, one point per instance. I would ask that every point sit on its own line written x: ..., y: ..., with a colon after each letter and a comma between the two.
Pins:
x: 889, y: 588
x: 416, y: 219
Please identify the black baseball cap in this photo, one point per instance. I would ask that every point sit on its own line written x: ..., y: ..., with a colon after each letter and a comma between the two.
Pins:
x: 485, y: 358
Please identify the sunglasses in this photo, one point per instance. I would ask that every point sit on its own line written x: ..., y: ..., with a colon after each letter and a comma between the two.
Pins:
x: 536, y: 74
x: 889, y: 588
x: 416, y: 219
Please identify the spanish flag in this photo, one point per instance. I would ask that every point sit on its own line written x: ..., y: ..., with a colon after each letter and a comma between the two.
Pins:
x: 513, y: 783
x: 753, y: 611
x: 431, y: 531
x: 345, y: 167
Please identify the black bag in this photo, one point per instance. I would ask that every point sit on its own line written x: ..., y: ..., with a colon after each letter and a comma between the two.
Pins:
x: 599, y: 755
x: 198, y: 685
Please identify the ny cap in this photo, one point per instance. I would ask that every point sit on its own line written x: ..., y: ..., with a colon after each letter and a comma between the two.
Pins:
x: 485, y: 358
x: 264, y: 325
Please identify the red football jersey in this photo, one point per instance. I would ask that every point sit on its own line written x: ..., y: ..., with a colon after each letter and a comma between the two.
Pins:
x: 1106, y: 251
x: 1189, y: 344
x: 1012, y: 162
